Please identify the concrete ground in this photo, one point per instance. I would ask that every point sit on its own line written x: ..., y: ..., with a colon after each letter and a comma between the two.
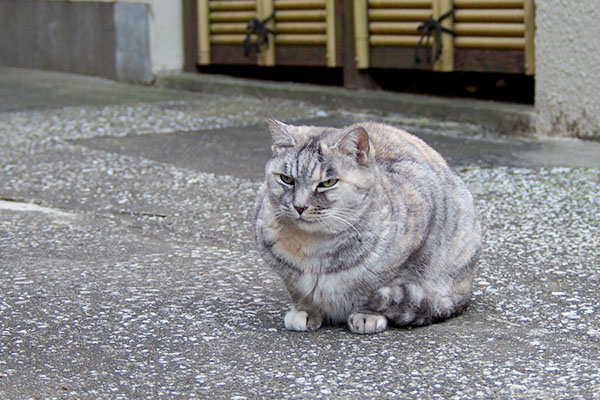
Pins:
x: 128, y: 268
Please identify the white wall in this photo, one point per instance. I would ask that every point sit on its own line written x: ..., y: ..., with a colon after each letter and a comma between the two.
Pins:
x: 567, y: 52
x: 166, y: 35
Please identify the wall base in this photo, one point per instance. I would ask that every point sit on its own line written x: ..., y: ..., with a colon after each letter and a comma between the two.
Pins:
x: 92, y: 38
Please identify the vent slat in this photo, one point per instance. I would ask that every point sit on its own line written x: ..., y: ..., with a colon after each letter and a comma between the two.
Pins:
x: 496, y: 15
x: 236, y: 5
x: 399, y: 14
x: 489, y: 43
x: 400, y: 4
x: 408, y: 28
x: 231, y: 16
x: 300, y: 27
x: 299, y: 4
x: 489, y: 29
x: 300, y: 15
x: 488, y: 4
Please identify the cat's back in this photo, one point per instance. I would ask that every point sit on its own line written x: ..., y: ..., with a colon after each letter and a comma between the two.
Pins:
x: 393, y: 145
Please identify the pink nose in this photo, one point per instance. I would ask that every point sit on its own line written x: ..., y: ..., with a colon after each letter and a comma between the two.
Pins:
x: 300, y: 209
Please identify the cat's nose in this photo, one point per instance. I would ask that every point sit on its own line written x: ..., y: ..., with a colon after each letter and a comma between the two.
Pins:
x: 300, y: 209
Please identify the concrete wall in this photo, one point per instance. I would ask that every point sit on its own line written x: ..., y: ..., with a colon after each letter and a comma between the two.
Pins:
x: 567, y: 98
x: 126, y: 40
x: 132, y: 47
x: 166, y: 35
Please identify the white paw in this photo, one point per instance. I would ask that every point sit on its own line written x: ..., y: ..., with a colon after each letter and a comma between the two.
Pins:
x: 296, y: 320
x: 367, y: 323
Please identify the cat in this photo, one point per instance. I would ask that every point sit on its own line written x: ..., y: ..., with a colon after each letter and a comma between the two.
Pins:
x: 365, y: 225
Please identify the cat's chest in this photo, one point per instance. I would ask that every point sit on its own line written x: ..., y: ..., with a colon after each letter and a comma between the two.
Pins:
x: 306, y: 251
x: 332, y: 294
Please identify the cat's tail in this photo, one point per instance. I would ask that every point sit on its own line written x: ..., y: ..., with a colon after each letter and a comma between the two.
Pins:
x: 410, y: 304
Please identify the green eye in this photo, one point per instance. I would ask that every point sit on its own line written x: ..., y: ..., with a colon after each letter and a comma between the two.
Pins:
x: 287, y: 179
x: 328, y: 183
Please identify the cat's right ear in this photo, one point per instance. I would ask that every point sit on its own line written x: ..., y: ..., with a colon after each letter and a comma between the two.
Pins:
x: 280, y: 132
x: 356, y: 144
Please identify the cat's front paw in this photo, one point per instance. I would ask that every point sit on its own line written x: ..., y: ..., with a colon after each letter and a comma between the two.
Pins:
x: 301, y: 321
x: 367, y: 323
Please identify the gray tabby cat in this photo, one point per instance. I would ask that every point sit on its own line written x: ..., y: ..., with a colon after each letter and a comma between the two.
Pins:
x: 365, y: 225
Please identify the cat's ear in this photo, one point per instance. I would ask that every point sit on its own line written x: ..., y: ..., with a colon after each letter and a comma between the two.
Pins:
x: 280, y: 133
x: 356, y: 144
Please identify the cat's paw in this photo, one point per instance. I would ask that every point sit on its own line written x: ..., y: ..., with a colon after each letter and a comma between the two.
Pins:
x: 301, y: 321
x: 367, y: 323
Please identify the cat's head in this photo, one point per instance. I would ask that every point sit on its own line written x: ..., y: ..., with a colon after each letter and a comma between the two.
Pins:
x: 319, y: 178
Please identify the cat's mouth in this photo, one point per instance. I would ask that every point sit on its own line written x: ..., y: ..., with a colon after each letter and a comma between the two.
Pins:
x: 302, y: 219
x: 306, y: 221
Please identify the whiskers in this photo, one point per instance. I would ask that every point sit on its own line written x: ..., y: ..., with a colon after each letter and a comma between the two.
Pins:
x: 338, y: 219
x: 278, y: 215
x: 325, y: 220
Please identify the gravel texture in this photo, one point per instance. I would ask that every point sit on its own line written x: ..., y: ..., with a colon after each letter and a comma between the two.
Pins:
x: 127, y: 277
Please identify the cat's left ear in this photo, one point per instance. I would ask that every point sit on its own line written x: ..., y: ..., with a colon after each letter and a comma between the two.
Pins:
x: 280, y: 132
x: 356, y: 143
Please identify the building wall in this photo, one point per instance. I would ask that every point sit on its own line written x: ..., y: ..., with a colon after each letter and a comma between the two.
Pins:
x: 128, y: 40
x: 166, y: 35
x: 567, y: 98
x: 132, y: 47
x: 131, y: 40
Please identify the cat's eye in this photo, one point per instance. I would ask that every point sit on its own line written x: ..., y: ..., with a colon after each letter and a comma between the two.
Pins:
x: 288, y: 180
x: 328, y: 183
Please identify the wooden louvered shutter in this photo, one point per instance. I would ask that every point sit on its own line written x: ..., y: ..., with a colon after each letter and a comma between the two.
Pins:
x: 302, y: 25
x: 385, y: 24
x: 494, y: 35
x: 305, y: 32
x: 489, y: 35
x: 222, y: 27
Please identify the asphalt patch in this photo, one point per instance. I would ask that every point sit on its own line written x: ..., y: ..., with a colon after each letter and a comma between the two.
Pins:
x: 243, y: 151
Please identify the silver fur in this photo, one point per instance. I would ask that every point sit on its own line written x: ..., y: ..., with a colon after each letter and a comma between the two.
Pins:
x: 396, y: 237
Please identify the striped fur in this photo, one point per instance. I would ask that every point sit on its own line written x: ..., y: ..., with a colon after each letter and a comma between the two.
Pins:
x: 396, y: 237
